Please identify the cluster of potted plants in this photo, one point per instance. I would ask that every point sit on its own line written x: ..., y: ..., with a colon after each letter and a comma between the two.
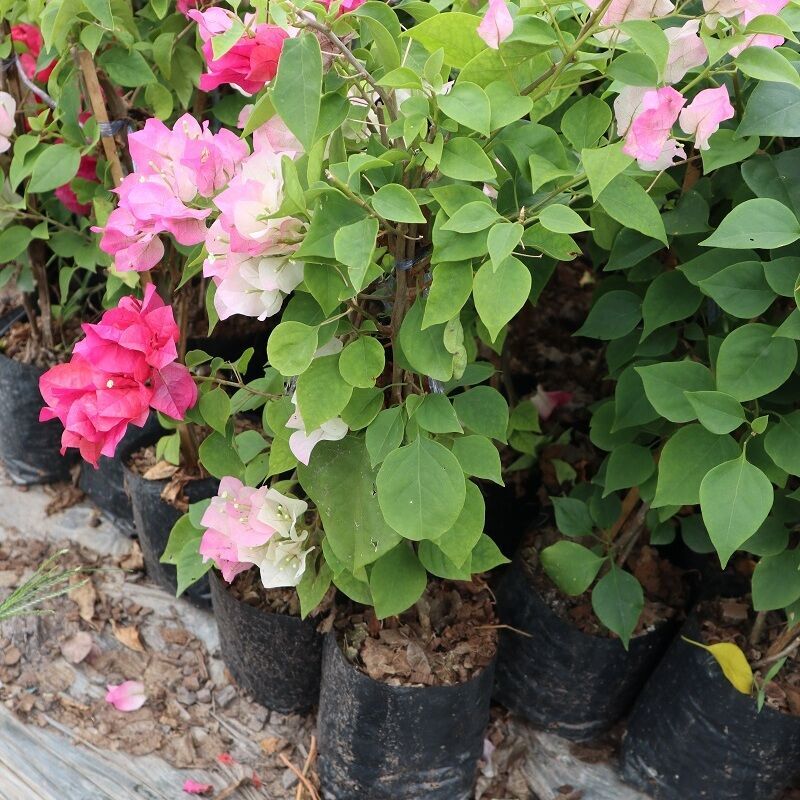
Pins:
x: 282, y: 269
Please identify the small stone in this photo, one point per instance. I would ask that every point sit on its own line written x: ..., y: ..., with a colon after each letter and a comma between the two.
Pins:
x: 11, y: 656
x: 191, y: 683
x: 204, y: 696
x: 288, y: 779
x: 225, y: 696
x: 185, y: 697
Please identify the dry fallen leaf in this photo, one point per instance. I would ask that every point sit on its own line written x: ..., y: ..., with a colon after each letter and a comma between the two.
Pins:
x: 85, y: 596
x: 134, y: 559
x: 66, y: 496
x: 159, y: 471
x: 11, y: 656
x: 271, y: 744
x: 77, y: 647
x: 127, y: 635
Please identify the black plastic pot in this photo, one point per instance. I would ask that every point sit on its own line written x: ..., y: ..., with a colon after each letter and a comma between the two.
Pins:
x: 277, y: 658
x: 30, y: 450
x: 560, y: 678
x: 154, y: 518
x: 105, y: 486
x: 381, y: 742
x: 692, y: 736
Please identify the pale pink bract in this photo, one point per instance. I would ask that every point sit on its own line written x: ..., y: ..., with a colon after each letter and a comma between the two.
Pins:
x: 702, y: 117
x: 8, y: 107
x: 497, y: 24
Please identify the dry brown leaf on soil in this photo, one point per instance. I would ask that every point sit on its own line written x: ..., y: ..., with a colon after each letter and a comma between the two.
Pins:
x: 134, y: 560
x: 77, y: 647
x: 84, y: 596
x: 159, y: 471
x: 127, y: 635
x: 272, y: 744
x: 66, y: 496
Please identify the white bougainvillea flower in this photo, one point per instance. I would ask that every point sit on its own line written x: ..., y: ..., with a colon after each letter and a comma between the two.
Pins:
x: 127, y: 696
x: 282, y: 560
x: 686, y: 50
x: 8, y: 107
x: 496, y: 25
x: 302, y: 442
x: 701, y: 118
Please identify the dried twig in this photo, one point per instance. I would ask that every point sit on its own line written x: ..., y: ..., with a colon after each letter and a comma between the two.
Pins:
x: 306, y: 783
x: 312, y: 755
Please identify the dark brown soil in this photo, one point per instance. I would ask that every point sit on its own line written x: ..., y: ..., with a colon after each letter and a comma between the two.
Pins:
x: 446, y: 638
x: 248, y: 588
x: 665, y: 592
x: 732, y: 620
x: 17, y: 344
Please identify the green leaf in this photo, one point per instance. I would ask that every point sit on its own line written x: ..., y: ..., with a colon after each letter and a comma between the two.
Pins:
x: 669, y: 298
x: 14, y: 241
x: 424, y: 348
x: 631, y: 406
x: 612, y: 315
x: 628, y: 203
x: 752, y: 362
x: 58, y: 164
x: 341, y: 483
x: 782, y: 443
x: 502, y: 240
x: 740, y: 289
x: 296, y: 92
x: 776, y: 581
x: 560, y: 218
x: 455, y: 32
x: 725, y: 148
x: 437, y: 563
x: 773, y: 109
x: 765, y: 64
x: 759, y: 223
x: 219, y: 457
x: 101, y: 11
x: 484, y: 411
x: 458, y: 543
x: 354, y: 246
x: 362, y: 408
x: 126, y: 67
x: 449, y: 292
x: 665, y: 385
x: 249, y: 444
x: 313, y: 587
x: 500, y: 294
x: 396, y: 581
x: 717, y: 412
x: 571, y: 566
x: 507, y: 104
x: 586, y: 121
x: 650, y: 38
x: 362, y: 361
x: 628, y: 465
x: 572, y: 516
x: 464, y: 160
x: 215, y: 408
x: 421, y: 489
x: 468, y: 105
x: 478, y: 457
x: 322, y: 392
x: 291, y: 347
x: 435, y: 414
x: 634, y: 69
x: 735, y: 498
x: 618, y: 601
x: 396, y: 203
x: 486, y: 555
x: 603, y: 165
x: 473, y: 217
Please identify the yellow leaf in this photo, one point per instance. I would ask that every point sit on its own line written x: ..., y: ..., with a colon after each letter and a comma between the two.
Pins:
x: 733, y: 662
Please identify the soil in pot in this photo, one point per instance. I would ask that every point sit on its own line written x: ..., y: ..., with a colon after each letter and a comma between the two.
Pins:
x: 29, y: 449
x: 269, y: 650
x: 569, y: 674
x: 692, y: 735
x: 105, y: 486
x: 159, y: 497
x: 404, y: 703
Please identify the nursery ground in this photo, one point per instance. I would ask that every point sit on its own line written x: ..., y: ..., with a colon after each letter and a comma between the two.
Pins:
x: 60, y: 740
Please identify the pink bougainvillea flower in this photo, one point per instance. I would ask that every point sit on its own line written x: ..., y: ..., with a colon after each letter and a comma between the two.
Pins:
x: 31, y: 38
x: 686, y: 50
x: 701, y: 118
x: 645, y: 117
x: 8, y: 107
x: 135, y: 338
x: 95, y: 407
x: 174, y: 391
x: 303, y: 442
x: 87, y: 171
x: 250, y: 64
x: 183, y: 6
x: 496, y: 25
x: 127, y: 696
x: 547, y: 402
x: 195, y: 787
x: 345, y: 7
x: 623, y: 10
x: 134, y: 249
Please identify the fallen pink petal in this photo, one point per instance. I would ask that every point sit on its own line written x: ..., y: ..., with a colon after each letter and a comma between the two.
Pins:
x: 127, y: 696
x: 195, y: 787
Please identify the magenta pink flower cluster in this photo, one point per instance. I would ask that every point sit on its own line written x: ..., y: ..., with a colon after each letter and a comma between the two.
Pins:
x: 251, y: 63
x: 124, y: 367
x: 173, y: 168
